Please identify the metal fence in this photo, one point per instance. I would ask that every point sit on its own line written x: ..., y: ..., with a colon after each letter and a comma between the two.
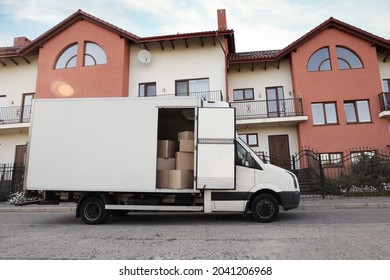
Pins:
x: 11, y: 179
x: 360, y: 172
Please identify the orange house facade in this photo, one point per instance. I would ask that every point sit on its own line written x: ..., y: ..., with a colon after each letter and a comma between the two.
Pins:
x: 82, y: 59
x: 337, y: 76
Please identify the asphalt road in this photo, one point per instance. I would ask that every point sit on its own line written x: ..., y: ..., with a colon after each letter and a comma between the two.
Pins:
x: 295, y: 235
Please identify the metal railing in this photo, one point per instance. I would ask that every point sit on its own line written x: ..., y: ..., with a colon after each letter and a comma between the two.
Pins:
x: 384, y: 101
x: 15, y: 114
x: 213, y: 95
x: 355, y: 174
x: 261, y: 109
x: 11, y: 179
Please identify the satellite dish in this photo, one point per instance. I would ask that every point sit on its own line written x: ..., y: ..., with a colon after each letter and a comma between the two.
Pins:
x: 144, y: 56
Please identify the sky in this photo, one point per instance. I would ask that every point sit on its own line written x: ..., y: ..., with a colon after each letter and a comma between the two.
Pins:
x: 257, y: 24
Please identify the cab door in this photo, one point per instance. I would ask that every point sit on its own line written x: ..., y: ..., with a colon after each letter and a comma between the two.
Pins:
x: 215, y: 165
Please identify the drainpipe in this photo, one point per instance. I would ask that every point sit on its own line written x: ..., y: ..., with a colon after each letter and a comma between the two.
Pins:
x: 226, y: 66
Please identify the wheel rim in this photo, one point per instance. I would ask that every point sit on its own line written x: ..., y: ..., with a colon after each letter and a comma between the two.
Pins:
x: 265, y: 209
x: 92, y: 211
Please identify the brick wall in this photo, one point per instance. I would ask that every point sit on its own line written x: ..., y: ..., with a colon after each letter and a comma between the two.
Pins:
x: 108, y: 80
x: 338, y: 86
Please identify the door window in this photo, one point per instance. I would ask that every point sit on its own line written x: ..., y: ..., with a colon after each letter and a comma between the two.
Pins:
x: 244, y: 158
x: 26, y: 107
x: 275, y: 102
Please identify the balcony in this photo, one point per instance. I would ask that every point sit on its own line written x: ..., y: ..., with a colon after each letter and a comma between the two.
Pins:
x: 384, y: 103
x: 265, y: 112
x: 15, y: 117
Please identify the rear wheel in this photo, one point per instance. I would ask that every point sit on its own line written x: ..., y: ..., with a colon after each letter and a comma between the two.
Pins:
x: 92, y: 211
x: 265, y: 208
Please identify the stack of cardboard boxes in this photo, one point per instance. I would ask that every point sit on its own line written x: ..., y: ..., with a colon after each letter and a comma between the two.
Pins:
x: 175, y: 169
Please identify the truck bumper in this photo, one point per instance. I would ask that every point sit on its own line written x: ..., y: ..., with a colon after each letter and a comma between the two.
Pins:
x: 290, y: 200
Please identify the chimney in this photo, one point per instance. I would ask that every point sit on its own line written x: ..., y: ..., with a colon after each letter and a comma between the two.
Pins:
x: 20, y: 42
x: 221, y: 15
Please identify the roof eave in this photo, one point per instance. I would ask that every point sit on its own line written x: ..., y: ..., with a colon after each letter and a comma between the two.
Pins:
x: 181, y: 36
x: 334, y: 23
x: 79, y: 15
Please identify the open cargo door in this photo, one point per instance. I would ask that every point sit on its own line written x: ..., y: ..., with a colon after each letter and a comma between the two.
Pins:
x: 216, y: 149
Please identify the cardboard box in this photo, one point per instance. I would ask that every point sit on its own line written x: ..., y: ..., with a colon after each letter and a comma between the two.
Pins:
x: 185, y: 135
x: 181, y: 179
x: 186, y: 146
x: 166, y: 149
x: 162, y: 180
x: 166, y: 163
x: 184, y: 161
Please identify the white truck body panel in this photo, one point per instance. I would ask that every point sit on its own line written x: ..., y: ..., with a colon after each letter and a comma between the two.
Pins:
x: 96, y: 144
x: 216, y: 139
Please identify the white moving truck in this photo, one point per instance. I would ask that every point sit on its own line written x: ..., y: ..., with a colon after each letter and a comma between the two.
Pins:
x: 112, y: 156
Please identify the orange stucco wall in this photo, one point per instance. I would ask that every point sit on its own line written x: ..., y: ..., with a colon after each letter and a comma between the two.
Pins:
x: 107, y: 80
x: 339, y: 86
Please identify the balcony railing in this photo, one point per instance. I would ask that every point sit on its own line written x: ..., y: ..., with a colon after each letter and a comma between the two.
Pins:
x: 384, y: 101
x: 15, y: 114
x: 213, y: 95
x: 263, y: 109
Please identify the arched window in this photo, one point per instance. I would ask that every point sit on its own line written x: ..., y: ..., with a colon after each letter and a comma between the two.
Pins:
x: 68, y: 58
x: 347, y: 59
x: 319, y: 60
x: 94, y: 54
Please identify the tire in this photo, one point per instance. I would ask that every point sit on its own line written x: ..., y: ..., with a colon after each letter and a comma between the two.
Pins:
x: 264, y: 208
x: 92, y: 211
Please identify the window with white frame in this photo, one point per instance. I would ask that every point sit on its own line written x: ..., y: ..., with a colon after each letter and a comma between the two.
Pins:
x: 331, y: 159
x: 357, y: 156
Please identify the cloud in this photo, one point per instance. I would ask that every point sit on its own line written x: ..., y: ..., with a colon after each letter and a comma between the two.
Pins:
x: 258, y: 24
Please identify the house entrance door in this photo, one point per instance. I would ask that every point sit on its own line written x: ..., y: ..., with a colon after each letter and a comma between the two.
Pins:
x: 279, y: 151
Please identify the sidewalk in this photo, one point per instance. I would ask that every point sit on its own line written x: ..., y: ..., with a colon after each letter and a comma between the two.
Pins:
x: 307, y: 203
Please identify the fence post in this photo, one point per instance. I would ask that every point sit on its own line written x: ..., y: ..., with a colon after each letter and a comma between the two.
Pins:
x: 322, y: 179
x: 293, y: 163
x: 2, y: 176
x: 13, y: 168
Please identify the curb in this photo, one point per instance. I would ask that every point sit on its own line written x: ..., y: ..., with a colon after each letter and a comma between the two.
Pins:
x: 10, y: 208
x: 329, y: 206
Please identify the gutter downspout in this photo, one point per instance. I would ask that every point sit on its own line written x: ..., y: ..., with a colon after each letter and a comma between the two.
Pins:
x: 226, y: 66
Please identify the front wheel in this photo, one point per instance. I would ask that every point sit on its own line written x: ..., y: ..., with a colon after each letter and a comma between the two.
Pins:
x: 264, y: 208
x: 92, y: 211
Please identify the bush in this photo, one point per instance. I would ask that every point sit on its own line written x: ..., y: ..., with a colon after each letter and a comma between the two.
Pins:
x: 367, y: 176
x: 20, y: 198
